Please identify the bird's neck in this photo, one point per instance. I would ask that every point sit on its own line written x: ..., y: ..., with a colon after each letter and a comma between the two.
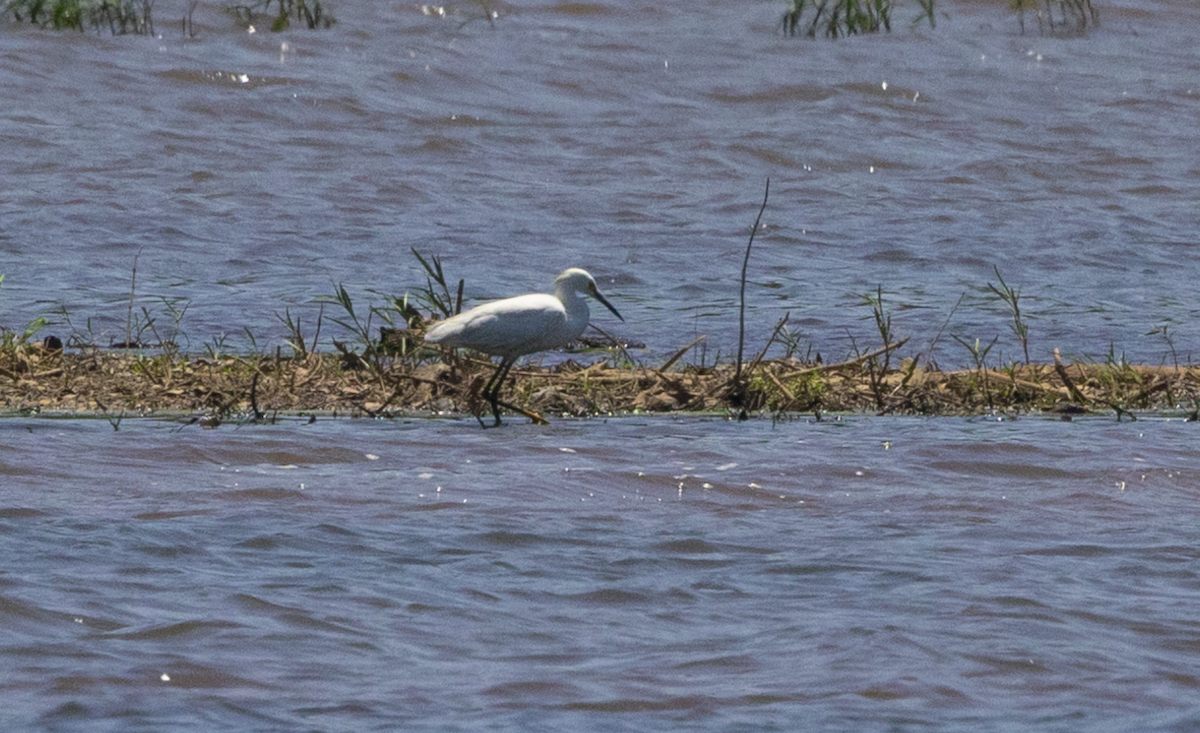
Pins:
x: 575, y: 305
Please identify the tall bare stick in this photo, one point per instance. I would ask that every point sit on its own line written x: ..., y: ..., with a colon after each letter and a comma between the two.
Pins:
x: 132, y: 292
x: 737, y: 377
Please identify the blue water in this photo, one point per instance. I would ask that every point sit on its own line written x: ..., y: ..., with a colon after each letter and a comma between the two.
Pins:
x: 699, y: 574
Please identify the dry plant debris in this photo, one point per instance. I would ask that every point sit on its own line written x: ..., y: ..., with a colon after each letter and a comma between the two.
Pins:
x: 37, y: 379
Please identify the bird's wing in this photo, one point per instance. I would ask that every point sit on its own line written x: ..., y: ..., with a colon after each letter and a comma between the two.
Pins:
x: 509, y: 327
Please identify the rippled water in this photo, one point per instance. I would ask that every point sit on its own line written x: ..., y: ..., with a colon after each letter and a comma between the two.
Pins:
x: 254, y: 169
x: 630, y: 574
x: 866, y: 574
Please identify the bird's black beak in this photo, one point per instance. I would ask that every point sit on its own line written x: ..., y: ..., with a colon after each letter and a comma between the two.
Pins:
x: 596, y: 294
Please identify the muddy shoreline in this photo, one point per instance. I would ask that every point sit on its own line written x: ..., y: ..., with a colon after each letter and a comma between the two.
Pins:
x: 35, y: 379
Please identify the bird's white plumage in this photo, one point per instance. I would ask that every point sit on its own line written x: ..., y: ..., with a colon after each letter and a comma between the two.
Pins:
x: 526, y: 324
x: 511, y: 327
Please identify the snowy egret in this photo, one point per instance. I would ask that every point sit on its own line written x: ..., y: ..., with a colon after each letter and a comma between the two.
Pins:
x: 525, y: 324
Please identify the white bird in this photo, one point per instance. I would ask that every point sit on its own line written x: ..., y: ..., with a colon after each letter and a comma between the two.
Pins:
x: 525, y: 324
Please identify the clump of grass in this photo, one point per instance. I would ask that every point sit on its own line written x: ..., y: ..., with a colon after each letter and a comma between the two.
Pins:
x: 878, y: 366
x: 401, y: 337
x: 140, y: 323
x: 1123, y: 386
x: 838, y: 18
x: 352, y: 322
x: 979, y: 354
x: 1169, y: 339
x: 1011, y: 297
x: 119, y: 17
x: 312, y: 15
x: 295, y: 338
x: 435, y: 296
x: 12, y: 340
x: 783, y: 394
x: 81, y: 338
x: 1074, y: 17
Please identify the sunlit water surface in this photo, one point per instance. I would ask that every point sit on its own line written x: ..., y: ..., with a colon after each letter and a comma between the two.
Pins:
x: 631, y: 574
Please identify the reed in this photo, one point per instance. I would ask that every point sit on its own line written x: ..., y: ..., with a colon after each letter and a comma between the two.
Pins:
x: 280, y: 14
x: 435, y: 296
x: 840, y: 18
x: 119, y: 17
x: 1011, y: 297
x: 1169, y: 338
x: 878, y: 366
x: 295, y: 338
x: 738, y: 385
x: 1057, y: 17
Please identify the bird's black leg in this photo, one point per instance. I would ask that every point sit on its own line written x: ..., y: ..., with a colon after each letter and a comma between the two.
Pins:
x: 487, y: 394
x: 491, y: 391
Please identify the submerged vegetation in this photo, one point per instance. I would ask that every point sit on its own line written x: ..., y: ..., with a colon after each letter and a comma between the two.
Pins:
x: 1058, y: 17
x: 837, y: 18
x: 812, y: 18
x: 279, y: 15
x: 122, y: 17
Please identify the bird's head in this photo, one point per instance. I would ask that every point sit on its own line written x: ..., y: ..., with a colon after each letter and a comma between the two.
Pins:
x: 575, y: 280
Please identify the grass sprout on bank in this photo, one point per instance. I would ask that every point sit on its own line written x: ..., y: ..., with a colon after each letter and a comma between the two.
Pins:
x: 737, y: 387
x: 979, y: 354
x: 10, y: 339
x: 1169, y: 339
x: 842, y: 18
x: 1011, y: 297
x: 435, y: 296
x: 80, y: 338
x: 360, y: 327
x: 400, y: 338
x: 878, y: 366
x: 295, y: 338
